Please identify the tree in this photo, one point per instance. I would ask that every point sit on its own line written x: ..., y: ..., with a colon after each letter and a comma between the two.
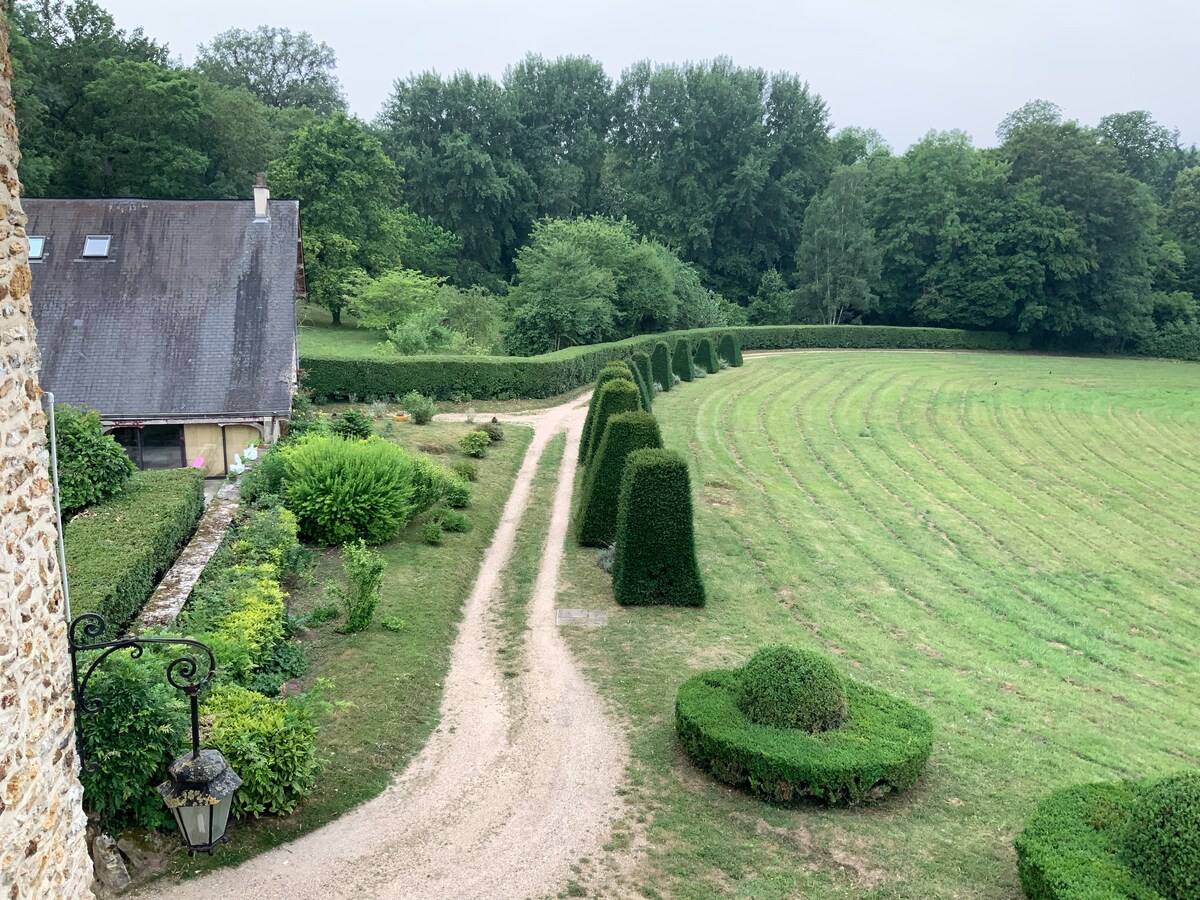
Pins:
x: 283, y: 69
x: 561, y: 298
x: 1182, y: 220
x: 1034, y: 112
x: 852, y: 144
x: 838, y: 263
x: 773, y: 303
x: 388, y: 300
x: 1147, y: 150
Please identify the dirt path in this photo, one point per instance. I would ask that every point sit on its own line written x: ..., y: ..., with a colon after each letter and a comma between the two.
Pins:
x: 509, y: 792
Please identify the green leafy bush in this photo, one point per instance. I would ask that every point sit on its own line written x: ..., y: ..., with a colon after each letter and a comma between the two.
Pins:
x: 269, y: 535
x: 660, y: 365
x: 433, y: 534
x: 617, y: 396
x: 655, y: 560
x: 344, y: 490
x: 287, y: 662
x: 494, y: 432
x: 706, y: 356
x: 1161, y: 838
x: 730, y: 349
x: 681, y: 361
x: 353, y: 424
x: 641, y: 362
x: 257, y: 614
x: 364, y: 575
x: 611, y: 372
x: 92, y: 466
x: 787, y: 688
x: 601, y: 491
x: 419, y: 407
x: 466, y: 470
x: 433, y: 484
x: 453, y: 521
x: 270, y: 743
x: 263, y: 480
x: 458, y: 495
x: 475, y: 443
x: 116, y: 550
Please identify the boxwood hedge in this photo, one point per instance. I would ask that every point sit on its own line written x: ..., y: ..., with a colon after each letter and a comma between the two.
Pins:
x: 500, y: 377
x: 730, y: 350
x: 681, y: 361
x: 882, y: 746
x: 617, y: 396
x: 641, y: 361
x: 612, y: 371
x: 624, y: 433
x: 643, y: 386
x: 660, y: 365
x: 706, y: 356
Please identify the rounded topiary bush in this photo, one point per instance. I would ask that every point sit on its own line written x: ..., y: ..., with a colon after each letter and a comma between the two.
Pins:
x: 660, y: 365
x: 655, y: 560
x: 881, y: 746
x: 787, y: 688
x: 641, y: 362
x: 706, y: 356
x: 1161, y: 838
x: 729, y: 348
x: 681, y: 362
x: 610, y: 372
x: 617, y: 396
x: 601, y: 492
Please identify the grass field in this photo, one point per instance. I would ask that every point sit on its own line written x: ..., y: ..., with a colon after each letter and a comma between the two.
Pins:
x: 1008, y: 541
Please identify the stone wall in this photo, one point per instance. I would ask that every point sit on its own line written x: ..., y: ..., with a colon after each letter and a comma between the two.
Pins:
x: 43, y: 852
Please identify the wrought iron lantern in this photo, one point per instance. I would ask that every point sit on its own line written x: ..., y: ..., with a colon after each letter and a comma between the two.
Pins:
x: 201, y: 787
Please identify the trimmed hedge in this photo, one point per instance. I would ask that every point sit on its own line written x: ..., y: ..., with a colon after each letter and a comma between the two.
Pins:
x: 681, y: 362
x: 644, y: 388
x: 617, y: 396
x: 641, y: 362
x: 117, y: 549
x: 706, y: 356
x: 660, y: 366
x: 787, y: 688
x: 502, y: 378
x: 611, y: 372
x: 601, y: 492
x: 881, y: 747
x: 1161, y: 840
x: 1071, y: 846
x: 730, y: 350
x: 655, y: 561
x: 92, y: 466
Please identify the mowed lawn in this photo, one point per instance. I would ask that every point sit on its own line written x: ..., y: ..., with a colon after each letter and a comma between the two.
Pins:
x: 1008, y: 541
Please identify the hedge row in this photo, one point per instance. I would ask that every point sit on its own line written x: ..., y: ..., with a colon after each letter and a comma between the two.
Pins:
x: 601, y: 490
x: 499, y: 377
x: 117, y: 549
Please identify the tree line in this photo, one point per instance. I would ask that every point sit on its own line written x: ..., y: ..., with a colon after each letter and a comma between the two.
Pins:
x: 556, y: 205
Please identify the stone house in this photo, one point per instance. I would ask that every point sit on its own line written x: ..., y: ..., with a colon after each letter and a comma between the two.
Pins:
x: 174, y: 319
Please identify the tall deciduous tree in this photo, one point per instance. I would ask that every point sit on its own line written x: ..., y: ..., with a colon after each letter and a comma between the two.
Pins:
x: 561, y: 298
x: 285, y: 69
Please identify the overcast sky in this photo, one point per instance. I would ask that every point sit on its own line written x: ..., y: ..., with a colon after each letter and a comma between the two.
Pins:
x: 900, y: 67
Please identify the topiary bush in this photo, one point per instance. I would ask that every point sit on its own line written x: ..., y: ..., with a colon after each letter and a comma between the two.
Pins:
x: 351, y: 423
x: 681, y: 362
x: 787, y: 688
x: 601, y: 491
x: 641, y: 362
x: 882, y: 745
x: 420, y: 408
x: 729, y: 348
x: 611, y: 372
x: 655, y: 560
x: 706, y: 356
x: 92, y: 466
x: 660, y: 365
x: 617, y: 396
x: 645, y: 392
x: 343, y: 490
x: 1161, y: 839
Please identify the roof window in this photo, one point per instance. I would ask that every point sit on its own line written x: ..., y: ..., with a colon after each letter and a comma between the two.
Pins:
x: 37, y: 246
x: 96, y: 245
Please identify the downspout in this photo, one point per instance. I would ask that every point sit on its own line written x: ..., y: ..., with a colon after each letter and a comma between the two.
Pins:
x: 62, y: 547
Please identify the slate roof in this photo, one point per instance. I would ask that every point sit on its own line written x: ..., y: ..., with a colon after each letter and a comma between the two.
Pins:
x: 191, y: 315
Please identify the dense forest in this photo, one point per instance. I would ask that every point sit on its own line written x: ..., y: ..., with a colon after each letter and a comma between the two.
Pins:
x: 558, y: 206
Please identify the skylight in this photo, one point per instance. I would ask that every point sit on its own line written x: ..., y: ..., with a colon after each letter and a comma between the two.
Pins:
x: 96, y: 244
x: 37, y: 246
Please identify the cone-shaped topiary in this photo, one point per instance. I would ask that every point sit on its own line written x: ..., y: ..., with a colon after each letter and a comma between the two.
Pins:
x: 660, y: 365
x: 610, y: 372
x: 601, y: 494
x: 643, y: 387
x: 641, y: 362
x: 730, y: 349
x: 786, y: 688
x: 655, y: 562
x: 617, y: 396
x: 681, y: 362
x: 706, y: 356
x: 1161, y: 838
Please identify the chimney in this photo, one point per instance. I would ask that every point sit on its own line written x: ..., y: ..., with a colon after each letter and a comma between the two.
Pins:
x: 261, y: 196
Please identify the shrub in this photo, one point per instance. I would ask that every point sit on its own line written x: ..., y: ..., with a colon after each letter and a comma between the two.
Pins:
x: 641, y: 362
x: 254, y: 621
x: 465, y: 469
x: 494, y: 432
x: 601, y: 490
x: 611, y: 372
x: 660, y: 365
x: 287, y: 662
x: 882, y: 746
x: 655, y: 560
x: 475, y: 443
x: 343, y: 490
x: 432, y: 484
x: 618, y: 396
x: 454, y: 521
x: 644, y: 394
x: 786, y: 688
x: 706, y: 356
x: 1161, y: 838
x: 419, y: 407
x: 264, y: 480
x: 353, y: 424
x: 92, y: 466
x: 270, y: 743
x: 458, y: 495
x: 364, y: 574
x: 116, y: 550
x: 730, y: 349
x: 269, y: 535
x: 432, y: 534
x: 681, y: 361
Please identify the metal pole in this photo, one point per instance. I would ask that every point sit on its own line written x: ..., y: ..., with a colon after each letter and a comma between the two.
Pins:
x: 62, y: 547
